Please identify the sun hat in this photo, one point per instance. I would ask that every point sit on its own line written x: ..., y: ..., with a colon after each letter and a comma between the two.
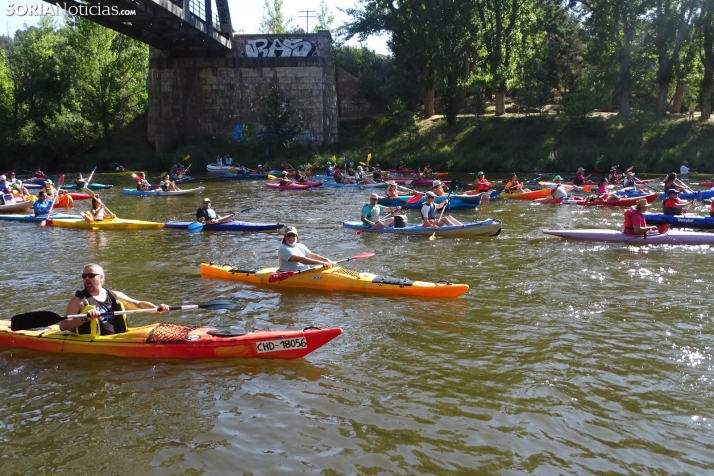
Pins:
x: 436, y: 183
x: 285, y: 172
x: 480, y: 173
x: 374, y: 195
x: 614, y: 167
x: 2, y: 177
x: 293, y: 230
x: 430, y: 194
x: 392, y: 183
x: 557, y: 177
x: 207, y: 200
x: 642, y: 203
x: 630, y: 174
x: 580, y: 169
x: 685, y: 162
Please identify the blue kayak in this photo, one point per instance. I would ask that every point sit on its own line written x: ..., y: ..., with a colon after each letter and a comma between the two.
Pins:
x: 456, y: 201
x: 244, y: 176
x: 688, y: 220
x: 38, y: 218
x: 228, y: 226
x: 91, y: 186
x: 179, y: 178
x: 160, y: 193
x: 700, y: 195
x: 488, y: 227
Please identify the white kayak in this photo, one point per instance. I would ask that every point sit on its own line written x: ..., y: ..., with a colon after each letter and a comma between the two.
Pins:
x: 614, y: 236
x: 16, y: 207
x: 220, y: 169
x: 363, y: 185
x: 488, y: 227
x: 160, y: 193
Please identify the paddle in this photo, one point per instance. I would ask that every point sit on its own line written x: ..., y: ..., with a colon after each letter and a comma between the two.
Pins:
x: 452, y: 187
x: 31, y: 320
x: 646, y: 183
x: 278, y: 277
x: 415, y: 198
x: 95, y: 195
x: 60, y: 181
x: 186, y: 158
x: 197, y: 226
x: 359, y: 232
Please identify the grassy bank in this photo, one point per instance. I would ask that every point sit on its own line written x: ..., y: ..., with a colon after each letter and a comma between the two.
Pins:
x: 494, y: 144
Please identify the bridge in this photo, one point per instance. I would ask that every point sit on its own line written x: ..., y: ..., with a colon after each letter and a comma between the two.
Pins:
x: 182, y: 27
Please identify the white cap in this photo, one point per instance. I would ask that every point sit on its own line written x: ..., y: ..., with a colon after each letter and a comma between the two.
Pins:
x: 374, y: 195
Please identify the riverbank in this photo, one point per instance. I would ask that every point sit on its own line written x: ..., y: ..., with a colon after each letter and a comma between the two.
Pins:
x: 544, y: 143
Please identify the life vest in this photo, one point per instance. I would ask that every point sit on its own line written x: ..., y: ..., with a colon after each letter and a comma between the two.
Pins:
x: 431, y: 212
x: 483, y: 185
x: 392, y: 194
x: 374, y: 212
x: 439, y: 192
x: 628, y: 228
x: 107, y: 325
x: 669, y: 206
x: 513, y: 184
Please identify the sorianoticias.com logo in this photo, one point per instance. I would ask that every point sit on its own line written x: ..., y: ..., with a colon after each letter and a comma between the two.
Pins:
x: 45, y: 9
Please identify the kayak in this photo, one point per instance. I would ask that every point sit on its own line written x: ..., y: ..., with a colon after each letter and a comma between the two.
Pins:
x: 77, y: 196
x: 16, y: 207
x: 213, y: 168
x: 109, y: 224
x: 185, y: 342
x: 427, y: 182
x: 160, y: 193
x: 527, y: 195
x: 244, y: 176
x: 576, y: 200
x: 688, y: 220
x: 439, y: 175
x: 614, y: 236
x: 706, y: 184
x: 227, y: 226
x: 64, y: 201
x: 402, y: 200
x: 700, y: 195
x: 91, y: 186
x: 337, y: 279
x: 293, y: 186
x: 365, y: 185
x: 467, y: 230
x: 36, y: 219
x: 592, y: 182
x: 179, y: 178
x: 126, y: 173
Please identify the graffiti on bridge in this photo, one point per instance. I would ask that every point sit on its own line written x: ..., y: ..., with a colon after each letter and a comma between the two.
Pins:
x: 276, y: 47
x: 305, y: 136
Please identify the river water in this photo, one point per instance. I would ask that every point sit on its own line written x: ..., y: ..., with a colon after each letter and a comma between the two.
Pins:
x: 563, y: 357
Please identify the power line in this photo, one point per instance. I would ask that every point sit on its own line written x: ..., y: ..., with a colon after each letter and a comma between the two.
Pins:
x: 307, y: 17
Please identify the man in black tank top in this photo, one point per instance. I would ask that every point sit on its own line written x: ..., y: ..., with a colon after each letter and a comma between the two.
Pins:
x: 103, y: 300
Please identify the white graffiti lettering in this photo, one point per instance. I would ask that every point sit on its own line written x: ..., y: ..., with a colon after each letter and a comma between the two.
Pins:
x: 268, y: 48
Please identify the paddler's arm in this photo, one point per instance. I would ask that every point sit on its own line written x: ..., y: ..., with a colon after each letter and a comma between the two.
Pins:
x: 130, y: 303
x: 74, y: 307
x: 313, y: 258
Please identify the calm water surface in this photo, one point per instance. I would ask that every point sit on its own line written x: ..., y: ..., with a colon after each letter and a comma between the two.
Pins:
x: 563, y: 358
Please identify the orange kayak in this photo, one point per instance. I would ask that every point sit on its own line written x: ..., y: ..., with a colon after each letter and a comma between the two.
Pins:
x: 527, y: 195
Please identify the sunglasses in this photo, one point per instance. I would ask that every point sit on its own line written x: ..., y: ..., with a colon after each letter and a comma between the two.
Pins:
x: 291, y: 235
x: 90, y: 275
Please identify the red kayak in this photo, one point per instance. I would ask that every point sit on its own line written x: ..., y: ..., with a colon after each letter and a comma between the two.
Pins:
x: 706, y: 184
x: 576, y: 200
x: 78, y: 196
x: 293, y: 186
x: 590, y: 182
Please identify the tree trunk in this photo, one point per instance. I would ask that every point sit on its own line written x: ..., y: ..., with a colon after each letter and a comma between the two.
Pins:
x: 625, y: 102
x: 678, y: 96
x: 707, y: 102
x: 489, y: 94
x: 429, y: 101
x: 662, y: 99
x: 501, y: 101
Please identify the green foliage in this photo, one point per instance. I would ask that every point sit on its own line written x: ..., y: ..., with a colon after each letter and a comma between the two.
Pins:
x: 536, y: 86
x: 588, y: 94
x: 274, y: 20
x: 325, y: 18
x: 279, y: 130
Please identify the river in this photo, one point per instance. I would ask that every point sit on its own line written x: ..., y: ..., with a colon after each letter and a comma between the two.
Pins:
x: 563, y: 357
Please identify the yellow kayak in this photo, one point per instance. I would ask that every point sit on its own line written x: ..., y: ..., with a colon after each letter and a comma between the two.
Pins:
x: 108, y: 224
x: 337, y: 279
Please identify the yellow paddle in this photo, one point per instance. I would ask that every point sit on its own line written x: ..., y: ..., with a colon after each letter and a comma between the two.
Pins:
x: 186, y: 158
x: 369, y: 156
x: 272, y: 177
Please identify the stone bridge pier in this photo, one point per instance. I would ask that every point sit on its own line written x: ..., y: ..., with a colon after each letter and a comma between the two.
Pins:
x: 193, y: 97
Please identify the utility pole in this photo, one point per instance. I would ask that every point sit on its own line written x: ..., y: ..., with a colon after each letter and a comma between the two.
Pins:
x: 307, y: 17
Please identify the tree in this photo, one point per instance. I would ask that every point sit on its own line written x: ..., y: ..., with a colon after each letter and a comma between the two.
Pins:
x: 274, y: 20
x: 706, y: 33
x: 325, y: 18
x: 110, y: 71
x: 279, y: 131
x: 671, y: 23
x: 508, y: 37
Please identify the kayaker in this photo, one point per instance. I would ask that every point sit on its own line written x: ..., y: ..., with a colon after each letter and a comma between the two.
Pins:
x: 635, y: 223
x: 5, y: 184
x: 328, y: 169
x: 416, y: 176
x: 42, y: 205
x: 580, y: 177
x: 711, y: 209
x: 167, y: 184
x: 557, y: 191
x: 428, y: 213
x: 284, y: 180
x: 629, y: 181
x: 98, y: 212
x: 142, y: 183
x: 300, y: 176
x: 514, y: 186
x: 39, y: 174
x: 482, y: 184
x: 672, y: 182
x: 79, y: 181
x: 437, y: 186
x: 294, y: 256
x: 95, y: 299
x: 684, y: 169
x: 361, y: 177
x: 401, y: 165
x: 613, y: 176
x: 393, y: 191
x: 603, y: 192
x: 49, y: 188
x: 371, y: 212
x: 377, y: 174
x: 228, y: 160
x: 672, y: 205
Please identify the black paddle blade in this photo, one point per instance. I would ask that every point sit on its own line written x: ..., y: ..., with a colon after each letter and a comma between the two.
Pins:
x: 218, y: 304
x: 30, y: 320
